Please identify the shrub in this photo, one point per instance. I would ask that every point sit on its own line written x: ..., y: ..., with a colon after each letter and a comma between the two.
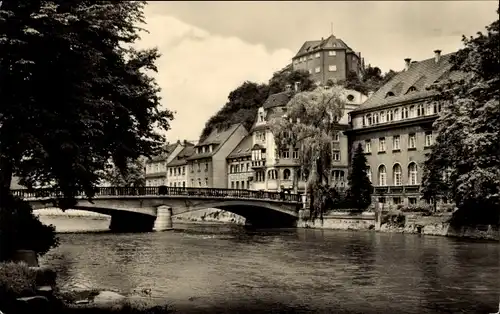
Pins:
x: 20, y: 229
x: 16, y: 280
x: 418, y: 209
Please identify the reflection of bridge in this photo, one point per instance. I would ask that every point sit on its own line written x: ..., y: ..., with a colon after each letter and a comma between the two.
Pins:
x: 145, y: 208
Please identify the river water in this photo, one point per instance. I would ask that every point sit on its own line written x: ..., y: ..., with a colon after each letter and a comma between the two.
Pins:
x: 230, y: 269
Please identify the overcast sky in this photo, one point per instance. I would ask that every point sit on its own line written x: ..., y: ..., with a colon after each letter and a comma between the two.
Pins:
x: 210, y: 48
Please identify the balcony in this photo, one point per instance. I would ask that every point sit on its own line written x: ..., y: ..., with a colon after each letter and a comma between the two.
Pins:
x: 396, y: 189
x: 259, y: 163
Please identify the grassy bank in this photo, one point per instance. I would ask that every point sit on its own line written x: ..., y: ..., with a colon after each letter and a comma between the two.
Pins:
x: 20, y: 293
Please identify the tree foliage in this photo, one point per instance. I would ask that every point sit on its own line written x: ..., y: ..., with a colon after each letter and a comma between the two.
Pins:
x: 371, y: 81
x: 310, y: 123
x: 75, y: 93
x: 467, y: 145
x: 132, y: 176
x: 245, y: 100
x: 360, y: 187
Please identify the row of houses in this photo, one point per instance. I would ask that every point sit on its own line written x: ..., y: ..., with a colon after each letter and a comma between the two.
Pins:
x: 393, y: 125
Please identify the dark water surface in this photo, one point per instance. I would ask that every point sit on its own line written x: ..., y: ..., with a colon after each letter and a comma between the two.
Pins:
x: 225, y: 269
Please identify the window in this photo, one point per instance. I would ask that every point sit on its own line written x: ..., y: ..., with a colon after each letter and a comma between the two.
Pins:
x: 369, y: 173
x: 237, y: 184
x: 317, y: 55
x: 242, y: 184
x: 412, y: 112
x: 287, y: 174
x: 206, y: 166
x: 412, y: 200
x: 412, y: 141
x: 336, y: 136
x: 350, y: 97
x: 332, y: 53
x: 317, y: 69
x: 296, y: 153
x: 336, y: 156
x: 428, y: 109
x: 420, y: 110
x: 383, y: 117
x: 192, y: 182
x: 199, y: 182
x: 397, y: 114
x: 381, y: 144
x: 396, y: 200
x: 272, y: 174
x: 382, y: 176
x: 332, y: 68
x: 368, y: 146
x: 231, y: 169
x: 183, y: 184
x: 338, y: 175
x: 175, y: 185
x: 405, y: 112
x: 397, y: 174
x: 375, y: 118
x: 412, y: 173
x: 248, y: 166
x: 206, y: 181
x: 368, y: 119
x: 232, y: 184
x: 285, y: 154
x: 390, y: 116
x: 428, y: 139
x: 170, y: 171
x: 395, y: 142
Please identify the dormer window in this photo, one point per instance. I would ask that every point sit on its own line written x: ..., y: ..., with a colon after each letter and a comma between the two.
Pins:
x: 350, y: 97
x: 411, y: 89
x: 389, y: 94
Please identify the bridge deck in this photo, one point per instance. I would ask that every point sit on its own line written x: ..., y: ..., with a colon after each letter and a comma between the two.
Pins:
x: 164, y: 191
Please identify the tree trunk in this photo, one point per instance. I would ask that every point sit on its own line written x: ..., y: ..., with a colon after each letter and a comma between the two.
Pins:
x: 5, y: 179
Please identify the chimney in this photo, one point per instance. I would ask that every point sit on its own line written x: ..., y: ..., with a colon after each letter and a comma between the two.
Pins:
x: 296, y: 86
x: 178, y: 141
x: 437, y: 55
x: 407, y: 64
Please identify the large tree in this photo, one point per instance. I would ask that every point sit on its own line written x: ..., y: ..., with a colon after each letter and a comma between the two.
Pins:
x: 467, y: 145
x: 132, y: 176
x: 360, y: 187
x: 75, y: 93
x: 310, y: 124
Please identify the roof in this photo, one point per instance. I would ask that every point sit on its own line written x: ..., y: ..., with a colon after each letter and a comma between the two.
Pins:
x: 217, y: 137
x: 275, y: 112
x: 419, y: 77
x: 277, y: 100
x: 243, y: 149
x: 331, y: 42
x: 181, y: 158
x: 169, y: 148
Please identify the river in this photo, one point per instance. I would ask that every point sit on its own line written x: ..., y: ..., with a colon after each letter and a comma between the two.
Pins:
x: 225, y: 269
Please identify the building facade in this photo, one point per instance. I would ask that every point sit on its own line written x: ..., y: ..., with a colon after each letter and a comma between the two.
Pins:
x: 239, y: 165
x: 208, y: 166
x: 395, y: 128
x: 328, y: 59
x: 156, y: 167
x: 177, y: 172
x: 280, y: 170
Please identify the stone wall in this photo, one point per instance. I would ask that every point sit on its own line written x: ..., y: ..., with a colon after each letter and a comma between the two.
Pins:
x: 338, y: 220
x: 435, y: 225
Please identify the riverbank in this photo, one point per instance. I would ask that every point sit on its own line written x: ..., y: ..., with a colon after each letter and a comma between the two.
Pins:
x: 399, y: 222
x: 25, y: 289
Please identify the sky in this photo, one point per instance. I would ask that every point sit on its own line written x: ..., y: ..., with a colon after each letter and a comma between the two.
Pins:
x: 210, y: 48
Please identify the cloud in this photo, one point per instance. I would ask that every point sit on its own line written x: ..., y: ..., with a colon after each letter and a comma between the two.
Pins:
x: 198, y: 69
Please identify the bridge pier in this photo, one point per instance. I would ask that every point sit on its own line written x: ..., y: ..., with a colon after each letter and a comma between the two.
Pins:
x: 163, y: 219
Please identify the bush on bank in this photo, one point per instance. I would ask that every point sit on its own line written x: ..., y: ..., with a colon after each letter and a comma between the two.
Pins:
x: 20, y: 229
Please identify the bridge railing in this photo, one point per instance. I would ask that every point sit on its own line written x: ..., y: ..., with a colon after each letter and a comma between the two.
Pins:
x: 164, y: 190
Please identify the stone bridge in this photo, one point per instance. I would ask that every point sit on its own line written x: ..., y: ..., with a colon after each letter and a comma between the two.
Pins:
x: 151, y: 208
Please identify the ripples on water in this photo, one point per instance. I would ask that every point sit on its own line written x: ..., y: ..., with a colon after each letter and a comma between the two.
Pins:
x: 224, y: 269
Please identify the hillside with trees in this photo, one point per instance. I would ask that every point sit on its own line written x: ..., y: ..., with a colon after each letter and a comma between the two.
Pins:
x: 244, y: 101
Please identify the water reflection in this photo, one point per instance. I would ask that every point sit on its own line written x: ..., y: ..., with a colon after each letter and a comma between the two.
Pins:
x: 205, y: 269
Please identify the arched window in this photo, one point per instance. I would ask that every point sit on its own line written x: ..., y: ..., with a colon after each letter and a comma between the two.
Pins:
x: 272, y: 174
x: 412, y: 174
x: 397, y: 172
x: 382, y: 176
x: 397, y: 115
x: 412, y: 111
x: 286, y: 174
x: 368, y: 119
x: 369, y: 173
x: 375, y: 118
